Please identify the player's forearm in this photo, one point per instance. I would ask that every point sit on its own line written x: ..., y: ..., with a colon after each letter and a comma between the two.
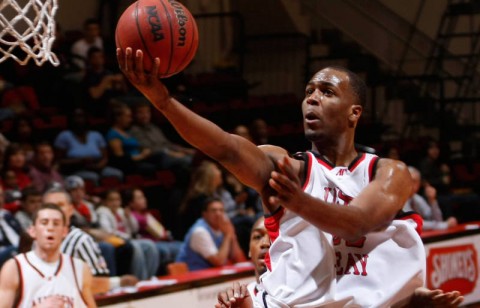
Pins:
x: 100, y: 285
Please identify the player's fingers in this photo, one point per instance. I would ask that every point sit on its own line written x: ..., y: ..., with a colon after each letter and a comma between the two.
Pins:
x: 222, y: 298
x: 286, y: 168
x: 244, y: 291
x: 120, y: 59
x: 456, y: 302
x: 155, y: 68
x: 139, y: 63
x: 231, y: 295
x: 286, y: 184
x: 128, y: 60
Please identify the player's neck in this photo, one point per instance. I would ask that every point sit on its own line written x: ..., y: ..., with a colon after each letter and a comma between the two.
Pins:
x: 337, y: 155
x: 47, y: 255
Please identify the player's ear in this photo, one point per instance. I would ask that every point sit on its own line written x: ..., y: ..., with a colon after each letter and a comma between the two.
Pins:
x: 355, y: 113
x: 65, y: 231
x: 31, y: 232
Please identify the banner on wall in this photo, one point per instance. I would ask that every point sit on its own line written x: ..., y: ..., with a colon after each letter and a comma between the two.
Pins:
x: 454, y: 265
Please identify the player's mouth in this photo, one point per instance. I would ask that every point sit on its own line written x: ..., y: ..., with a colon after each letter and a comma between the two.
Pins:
x: 311, y: 119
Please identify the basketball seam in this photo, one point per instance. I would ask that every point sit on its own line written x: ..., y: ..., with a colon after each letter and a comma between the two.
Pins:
x: 172, y: 40
x: 141, y: 35
x: 187, y: 55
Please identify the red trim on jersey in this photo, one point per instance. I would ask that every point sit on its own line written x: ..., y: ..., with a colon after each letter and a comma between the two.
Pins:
x: 76, y: 280
x: 20, y: 282
x: 59, y: 267
x: 371, y: 167
x: 272, y: 224
x: 415, y: 217
x: 357, y: 162
x: 309, y: 169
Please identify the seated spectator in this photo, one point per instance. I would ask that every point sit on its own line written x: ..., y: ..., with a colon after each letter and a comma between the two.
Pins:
x: 79, y: 244
x: 10, y: 231
x: 171, y: 155
x: 116, y: 220
x: 4, y: 143
x: 30, y: 202
x: 23, y: 134
x: 150, y: 228
x: 43, y: 170
x: 84, y: 215
x: 11, y: 191
x: 259, y: 132
x: 82, y: 151
x: 428, y: 209
x: 211, y: 241
x: 91, y: 38
x: 102, y: 85
x: 126, y: 151
x: 15, y: 160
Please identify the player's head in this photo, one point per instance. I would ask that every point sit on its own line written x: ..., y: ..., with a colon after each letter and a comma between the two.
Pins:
x: 333, y: 104
x: 49, y: 227
x: 62, y: 199
x: 259, y: 245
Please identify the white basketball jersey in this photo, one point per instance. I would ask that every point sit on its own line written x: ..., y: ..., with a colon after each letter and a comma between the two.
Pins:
x: 37, y: 286
x: 304, y: 266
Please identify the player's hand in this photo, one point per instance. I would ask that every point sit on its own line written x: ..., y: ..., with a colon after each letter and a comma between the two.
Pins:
x: 236, y: 296
x: 424, y: 297
x: 287, y: 186
x: 131, y: 64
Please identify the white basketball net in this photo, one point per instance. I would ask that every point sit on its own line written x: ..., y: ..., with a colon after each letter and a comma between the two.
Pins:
x: 30, y: 26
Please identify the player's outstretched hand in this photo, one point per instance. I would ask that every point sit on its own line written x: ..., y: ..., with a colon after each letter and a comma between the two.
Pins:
x: 286, y: 183
x: 424, y: 297
x: 236, y: 297
x: 131, y: 64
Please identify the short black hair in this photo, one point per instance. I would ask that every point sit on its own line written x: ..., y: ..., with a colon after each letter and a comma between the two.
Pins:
x: 356, y: 82
x: 30, y: 191
x: 209, y: 201
x: 50, y: 206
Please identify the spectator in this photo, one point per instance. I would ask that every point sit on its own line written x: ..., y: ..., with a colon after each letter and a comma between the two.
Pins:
x: 114, y: 219
x: 92, y: 38
x: 79, y: 244
x: 15, y: 160
x: 150, y: 136
x: 126, y: 151
x: 150, y: 228
x: 10, y: 231
x: 84, y: 215
x: 23, y: 134
x: 434, y: 170
x: 243, y: 131
x: 102, y: 85
x: 428, y: 209
x: 43, y: 170
x: 259, y: 131
x: 30, y: 202
x: 211, y: 241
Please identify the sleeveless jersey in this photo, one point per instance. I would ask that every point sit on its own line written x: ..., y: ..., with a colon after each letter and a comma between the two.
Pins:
x: 65, y: 282
x: 347, y: 274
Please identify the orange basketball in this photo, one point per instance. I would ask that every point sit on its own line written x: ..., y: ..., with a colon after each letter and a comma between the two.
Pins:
x: 160, y: 28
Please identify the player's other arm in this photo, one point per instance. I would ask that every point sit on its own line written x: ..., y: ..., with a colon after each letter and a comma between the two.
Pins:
x: 9, y: 284
x: 241, y: 157
x: 372, y: 209
x: 87, y: 287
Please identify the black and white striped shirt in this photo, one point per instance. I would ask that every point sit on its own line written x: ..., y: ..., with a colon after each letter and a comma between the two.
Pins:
x: 81, y: 245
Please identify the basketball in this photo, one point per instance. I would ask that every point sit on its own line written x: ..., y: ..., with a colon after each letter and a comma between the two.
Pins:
x: 160, y: 28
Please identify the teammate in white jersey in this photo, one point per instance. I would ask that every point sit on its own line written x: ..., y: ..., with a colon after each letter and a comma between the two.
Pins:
x: 44, y: 277
x: 331, y: 109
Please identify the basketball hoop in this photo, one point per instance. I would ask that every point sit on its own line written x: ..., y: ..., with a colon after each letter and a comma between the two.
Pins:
x: 30, y: 26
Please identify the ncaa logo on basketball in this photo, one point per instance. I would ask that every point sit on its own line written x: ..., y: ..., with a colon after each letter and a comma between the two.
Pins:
x: 155, y: 24
x: 453, y: 268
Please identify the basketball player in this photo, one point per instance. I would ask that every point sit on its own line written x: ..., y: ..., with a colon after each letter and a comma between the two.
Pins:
x: 238, y: 295
x: 44, y: 277
x: 329, y: 206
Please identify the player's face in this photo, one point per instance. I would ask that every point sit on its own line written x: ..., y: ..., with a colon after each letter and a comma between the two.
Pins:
x: 48, y: 230
x: 259, y: 245
x: 327, y: 105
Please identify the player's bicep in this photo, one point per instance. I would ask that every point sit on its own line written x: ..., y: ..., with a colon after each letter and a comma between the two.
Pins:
x: 87, y: 291
x: 387, y: 192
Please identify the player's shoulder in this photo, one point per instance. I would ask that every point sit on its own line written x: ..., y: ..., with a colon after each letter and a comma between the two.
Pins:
x: 10, y: 269
x: 387, y: 166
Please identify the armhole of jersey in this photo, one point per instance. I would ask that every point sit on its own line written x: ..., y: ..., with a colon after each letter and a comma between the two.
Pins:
x: 307, y: 159
x: 75, y: 276
x: 411, y: 215
x: 19, y: 296
x: 372, y: 168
